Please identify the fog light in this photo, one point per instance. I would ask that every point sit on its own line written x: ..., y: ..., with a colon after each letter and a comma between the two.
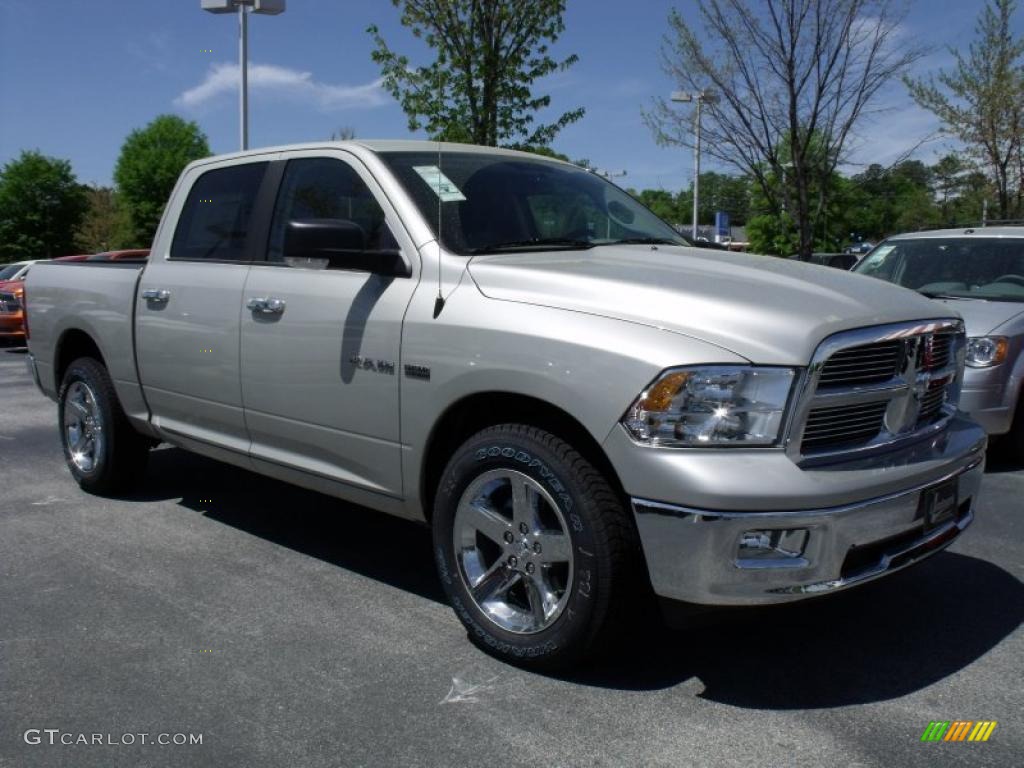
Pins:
x: 772, y: 548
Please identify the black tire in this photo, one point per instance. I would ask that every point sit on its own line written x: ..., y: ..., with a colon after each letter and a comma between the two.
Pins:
x: 121, y: 453
x: 606, y: 563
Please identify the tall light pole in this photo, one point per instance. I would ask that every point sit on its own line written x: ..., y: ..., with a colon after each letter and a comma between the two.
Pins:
x: 266, y: 7
x: 608, y: 175
x: 700, y: 97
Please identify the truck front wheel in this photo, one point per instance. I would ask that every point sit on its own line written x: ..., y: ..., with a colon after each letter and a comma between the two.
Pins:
x: 103, y: 452
x: 535, y: 551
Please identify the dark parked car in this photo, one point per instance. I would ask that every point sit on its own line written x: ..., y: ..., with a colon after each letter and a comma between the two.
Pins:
x: 836, y: 260
x: 859, y: 249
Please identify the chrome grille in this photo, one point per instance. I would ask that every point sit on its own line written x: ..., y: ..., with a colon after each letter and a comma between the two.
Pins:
x: 863, y: 365
x: 932, y: 402
x: 9, y: 302
x: 875, y: 387
x: 937, y: 350
x: 837, y: 425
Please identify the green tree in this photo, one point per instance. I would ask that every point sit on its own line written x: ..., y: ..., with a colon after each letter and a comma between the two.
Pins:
x: 106, y: 226
x: 151, y: 160
x: 720, y: 192
x: 981, y: 101
x: 774, y: 226
x: 948, y: 183
x: 773, y: 234
x: 663, y: 203
x: 968, y: 207
x: 488, y: 54
x: 545, y: 152
x: 41, y: 205
x: 885, y: 201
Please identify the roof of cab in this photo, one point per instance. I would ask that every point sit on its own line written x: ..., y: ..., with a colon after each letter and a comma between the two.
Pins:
x: 378, y: 146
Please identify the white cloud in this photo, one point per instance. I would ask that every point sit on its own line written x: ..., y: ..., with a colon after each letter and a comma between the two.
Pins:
x: 281, y: 82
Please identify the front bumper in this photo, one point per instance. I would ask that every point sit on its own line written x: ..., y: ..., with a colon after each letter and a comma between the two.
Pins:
x: 694, y: 555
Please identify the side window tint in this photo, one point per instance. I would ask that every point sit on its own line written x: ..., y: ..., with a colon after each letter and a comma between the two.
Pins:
x: 325, y: 188
x: 214, y: 223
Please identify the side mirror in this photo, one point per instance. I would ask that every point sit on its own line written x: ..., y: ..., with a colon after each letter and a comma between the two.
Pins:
x: 342, y: 244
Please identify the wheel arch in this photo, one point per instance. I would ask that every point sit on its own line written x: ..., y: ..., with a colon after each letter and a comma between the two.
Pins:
x: 480, y: 410
x: 73, y: 344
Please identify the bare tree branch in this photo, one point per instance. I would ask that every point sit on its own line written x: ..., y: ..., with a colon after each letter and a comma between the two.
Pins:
x: 793, y: 80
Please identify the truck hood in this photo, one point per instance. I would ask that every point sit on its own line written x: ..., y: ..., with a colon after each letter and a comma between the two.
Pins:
x: 984, y: 317
x: 766, y: 309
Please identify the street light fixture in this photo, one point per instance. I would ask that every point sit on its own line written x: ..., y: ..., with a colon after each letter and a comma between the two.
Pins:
x: 700, y: 97
x: 265, y: 7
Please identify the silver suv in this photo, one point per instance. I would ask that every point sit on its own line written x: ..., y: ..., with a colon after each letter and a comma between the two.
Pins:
x: 980, y: 274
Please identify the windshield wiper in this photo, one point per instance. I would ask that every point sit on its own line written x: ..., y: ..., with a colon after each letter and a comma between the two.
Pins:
x: 643, y: 241
x: 537, y: 242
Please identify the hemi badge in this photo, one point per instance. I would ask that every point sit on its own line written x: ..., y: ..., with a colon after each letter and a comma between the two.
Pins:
x: 417, y: 372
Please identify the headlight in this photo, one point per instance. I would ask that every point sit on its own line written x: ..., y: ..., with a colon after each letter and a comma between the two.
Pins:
x: 712, y: 406
x: 986, y: 351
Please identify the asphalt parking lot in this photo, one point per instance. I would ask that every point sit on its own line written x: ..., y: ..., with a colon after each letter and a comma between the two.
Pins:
x: 288, y: 628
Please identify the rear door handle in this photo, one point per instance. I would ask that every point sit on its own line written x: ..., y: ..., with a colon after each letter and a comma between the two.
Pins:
x: 266, y: 305
x: 161, y: 296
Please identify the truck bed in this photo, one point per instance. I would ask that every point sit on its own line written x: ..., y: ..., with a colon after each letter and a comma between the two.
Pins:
x: 98, y: 298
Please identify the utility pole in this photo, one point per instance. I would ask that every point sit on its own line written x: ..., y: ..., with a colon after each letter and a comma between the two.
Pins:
x: 243, y: 64
x: 266, y: 7
x: 700, y: 97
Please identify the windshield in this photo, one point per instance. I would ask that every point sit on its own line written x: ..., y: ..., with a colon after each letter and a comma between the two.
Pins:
x: 6, y: 273
x: 493, y: 203
x: 962, y: 267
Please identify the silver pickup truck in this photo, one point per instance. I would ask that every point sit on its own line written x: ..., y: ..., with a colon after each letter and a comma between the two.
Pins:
x: 516, y: 352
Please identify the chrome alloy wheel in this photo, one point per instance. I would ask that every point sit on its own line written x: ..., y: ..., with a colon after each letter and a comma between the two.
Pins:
x: 513, y: 551
x: 83, y: 430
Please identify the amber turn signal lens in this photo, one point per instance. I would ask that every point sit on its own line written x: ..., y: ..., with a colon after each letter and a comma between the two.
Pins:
x: 660, y: 396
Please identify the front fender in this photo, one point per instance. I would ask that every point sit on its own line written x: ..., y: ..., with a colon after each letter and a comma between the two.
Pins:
x: 588, y: 366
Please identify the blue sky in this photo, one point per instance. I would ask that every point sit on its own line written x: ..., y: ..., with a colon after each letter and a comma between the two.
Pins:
x: 76, y: 77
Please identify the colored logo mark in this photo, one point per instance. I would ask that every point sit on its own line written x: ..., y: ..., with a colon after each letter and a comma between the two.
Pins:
x: 959, y: 730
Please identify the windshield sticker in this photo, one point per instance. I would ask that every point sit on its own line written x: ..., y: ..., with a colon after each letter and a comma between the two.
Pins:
x: 443, y: 186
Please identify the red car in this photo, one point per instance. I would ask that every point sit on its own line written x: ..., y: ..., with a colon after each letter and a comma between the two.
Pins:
x: 12, y: 292
x: 12, y: 312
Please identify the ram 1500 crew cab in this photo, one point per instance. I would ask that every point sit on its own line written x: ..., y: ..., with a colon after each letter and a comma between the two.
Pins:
x: 516, y: 352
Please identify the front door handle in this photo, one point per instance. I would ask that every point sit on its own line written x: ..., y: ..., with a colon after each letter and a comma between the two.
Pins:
x: 266, y: 305
x: 161, y: 296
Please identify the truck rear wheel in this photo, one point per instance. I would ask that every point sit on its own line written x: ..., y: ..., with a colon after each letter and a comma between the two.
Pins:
x: 535, y: 551
x: 103, y: 452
